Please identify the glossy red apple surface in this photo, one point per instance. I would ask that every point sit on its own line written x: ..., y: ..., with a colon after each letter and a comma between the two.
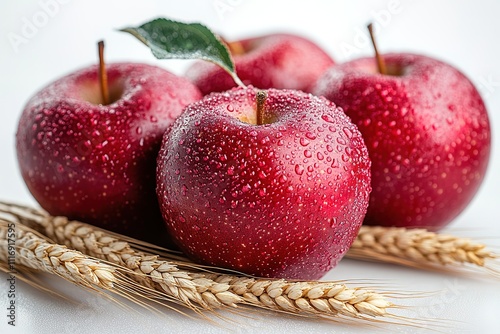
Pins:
x: 95, y: 162
x: 270, y: 61
x: 284, y: 198
x: 427, y: 132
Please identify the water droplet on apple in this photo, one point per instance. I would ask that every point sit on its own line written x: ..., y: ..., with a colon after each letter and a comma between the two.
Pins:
x: 304, y: 141
x: 347, y: 132
x: 246, y: 188
x: 310, y: 135
x: 328, y: 118
x: 341, y: 141
x: 307, y: 153
x: 299, y: 169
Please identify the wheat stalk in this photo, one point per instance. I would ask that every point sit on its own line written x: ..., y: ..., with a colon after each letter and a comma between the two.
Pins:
x: 420, y: 248
x: 35, y: 252
x: 208, y: 290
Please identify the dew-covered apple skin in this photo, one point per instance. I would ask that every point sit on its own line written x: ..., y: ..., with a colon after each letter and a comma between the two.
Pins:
x: 427, y: 133
x: 283, y: 199
x: 269, y: 61
x: 97, y: 163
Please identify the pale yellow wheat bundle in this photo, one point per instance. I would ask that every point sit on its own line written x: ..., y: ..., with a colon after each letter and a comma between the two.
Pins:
x: 34, y: 252
x: 422, y: 249
x: 23, y: 248
x: 194, y: 286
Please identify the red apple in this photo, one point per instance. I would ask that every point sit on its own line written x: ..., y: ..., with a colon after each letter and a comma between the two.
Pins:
x: 271, y: 61
x: 95, y: 162
x: 427, y: 133
x: 275, y: 188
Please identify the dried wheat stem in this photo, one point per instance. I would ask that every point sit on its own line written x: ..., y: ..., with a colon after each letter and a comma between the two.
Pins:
x: 215, y: 290
x: 320, y: 298
x: 418, y: 247
x: 209, y: 290
x: 35, y: 252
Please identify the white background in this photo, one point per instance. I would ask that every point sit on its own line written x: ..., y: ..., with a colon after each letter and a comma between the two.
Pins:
x: 463, y: 33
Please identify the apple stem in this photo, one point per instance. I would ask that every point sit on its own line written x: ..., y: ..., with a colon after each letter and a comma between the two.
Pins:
x: 261, y: 100
x: 236, y: 48
x: 380, y: 60
x: 102, y: 74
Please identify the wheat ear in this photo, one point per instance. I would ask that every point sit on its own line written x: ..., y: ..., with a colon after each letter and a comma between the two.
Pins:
x: 35, y: 252
x: 420, y: 248
x: 23, y: 249
x: 209, y: 290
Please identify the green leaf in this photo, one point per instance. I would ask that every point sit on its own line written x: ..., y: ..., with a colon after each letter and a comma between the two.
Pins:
x: 170, y: 39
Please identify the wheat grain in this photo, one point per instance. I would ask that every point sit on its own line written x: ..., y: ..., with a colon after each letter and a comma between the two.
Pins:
x: 306, y: 297
x: 35, y: 252
x: 420, y: 248
x: 208, y: 290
